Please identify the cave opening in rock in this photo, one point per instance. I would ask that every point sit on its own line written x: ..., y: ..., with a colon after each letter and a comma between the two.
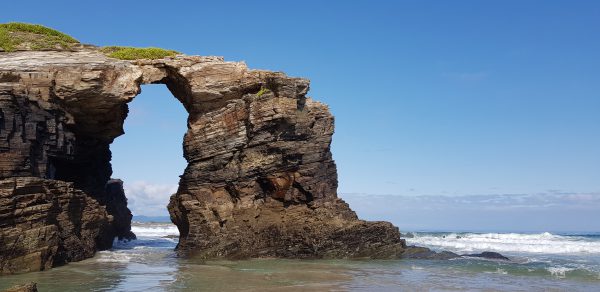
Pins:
x: 148, y: 158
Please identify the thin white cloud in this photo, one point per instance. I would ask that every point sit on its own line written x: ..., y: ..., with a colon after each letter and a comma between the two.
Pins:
x: 552, y: 211
x: 146, y: 198
x: 499, y: 201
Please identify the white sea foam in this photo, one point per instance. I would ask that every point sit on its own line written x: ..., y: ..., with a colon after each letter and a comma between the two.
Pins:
x: 113, y: 257
x: 559, y: 272
x: 155, y: 230
x: 542, y: 243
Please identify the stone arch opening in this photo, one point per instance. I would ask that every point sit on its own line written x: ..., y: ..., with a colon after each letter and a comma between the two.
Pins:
x: 149, y: 156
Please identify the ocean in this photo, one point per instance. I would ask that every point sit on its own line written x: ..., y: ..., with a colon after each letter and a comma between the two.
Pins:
x: 538, y: 262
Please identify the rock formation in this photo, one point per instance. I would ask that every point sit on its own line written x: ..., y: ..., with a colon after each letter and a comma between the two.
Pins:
x: 45, y: 223
x: 260, y: 180
x: 29, y: 287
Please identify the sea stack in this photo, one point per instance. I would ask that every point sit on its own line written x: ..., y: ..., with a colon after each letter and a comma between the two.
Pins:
x: 260, y: 180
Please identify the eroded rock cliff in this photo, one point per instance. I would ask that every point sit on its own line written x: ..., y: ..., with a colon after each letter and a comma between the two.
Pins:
x: 45, y: 223
x: 260, y: 180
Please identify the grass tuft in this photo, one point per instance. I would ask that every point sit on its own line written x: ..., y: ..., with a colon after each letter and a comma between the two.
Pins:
x: 131, y: 53
x: 262, y: 91
x: 6, y: 42
x: 18, y: 35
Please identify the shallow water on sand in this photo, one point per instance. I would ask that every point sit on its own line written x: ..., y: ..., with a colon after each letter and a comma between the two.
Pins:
x: 150, y: 264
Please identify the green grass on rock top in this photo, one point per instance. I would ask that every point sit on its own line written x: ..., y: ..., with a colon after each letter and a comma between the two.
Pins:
x: 130, y: 53
x: 25, y: 36
x: 18, y: 35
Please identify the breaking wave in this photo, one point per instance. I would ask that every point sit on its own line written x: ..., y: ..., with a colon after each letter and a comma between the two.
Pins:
x: 154, y: 230
x: 541, y: 243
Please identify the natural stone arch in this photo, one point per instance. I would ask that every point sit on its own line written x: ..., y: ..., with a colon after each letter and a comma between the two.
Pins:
x: 260, y: 180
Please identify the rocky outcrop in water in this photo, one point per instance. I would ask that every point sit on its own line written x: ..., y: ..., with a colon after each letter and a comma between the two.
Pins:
x: 260, y: 180
x: 490, y: 255
x: 30, y: 287
x: 423, y: 253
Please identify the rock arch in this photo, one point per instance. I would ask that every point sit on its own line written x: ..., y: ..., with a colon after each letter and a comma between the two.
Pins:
x: 260, y: 180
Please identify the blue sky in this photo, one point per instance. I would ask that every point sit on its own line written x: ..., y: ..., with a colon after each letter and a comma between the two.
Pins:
x: 444, y: 99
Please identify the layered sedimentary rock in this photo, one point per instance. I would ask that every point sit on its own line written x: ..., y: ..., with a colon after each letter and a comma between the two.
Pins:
x: 260, y: 180
x: 61, y: 164
x: 44, y: 223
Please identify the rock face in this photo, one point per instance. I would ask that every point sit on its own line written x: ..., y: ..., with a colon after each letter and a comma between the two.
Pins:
x: 44, y: 223
x: 260, y: 180
x: 41, y: 139
x: 30, y: 287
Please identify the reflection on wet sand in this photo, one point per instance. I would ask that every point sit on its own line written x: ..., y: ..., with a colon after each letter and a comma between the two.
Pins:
x: 261, y: 275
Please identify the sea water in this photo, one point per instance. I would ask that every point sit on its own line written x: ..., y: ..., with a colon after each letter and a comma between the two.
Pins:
x: 538, y: 262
